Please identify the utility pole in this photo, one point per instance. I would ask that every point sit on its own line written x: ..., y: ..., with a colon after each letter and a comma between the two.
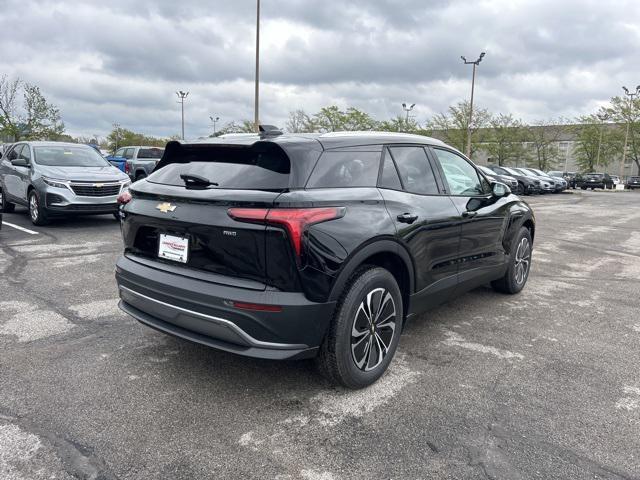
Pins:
x: 407, y: 111
x: 626, y: 136
x: 116, y: 127
x: 214, y: 121
x: 473, y: 84
x: 256, y: 107
x: 603, y: 117
x: 181, y: 97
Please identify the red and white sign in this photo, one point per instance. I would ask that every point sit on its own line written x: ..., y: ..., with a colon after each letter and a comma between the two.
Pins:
x: 173, y: 248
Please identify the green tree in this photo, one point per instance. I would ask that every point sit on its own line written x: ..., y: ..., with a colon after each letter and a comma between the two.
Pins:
x: 504, y: 139
x: 246, y: 126
x: 121, y: 137
x: 300, y: 122
x: 452, y: 127
x: 332, y: 119
x: 34, y: 119
x: 399, y: 124
x: 627, y: 114
x: 595, y: 143
x: 544, y: 137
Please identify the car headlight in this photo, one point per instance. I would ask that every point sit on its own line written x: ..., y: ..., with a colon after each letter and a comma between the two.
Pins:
x: 55, y: 183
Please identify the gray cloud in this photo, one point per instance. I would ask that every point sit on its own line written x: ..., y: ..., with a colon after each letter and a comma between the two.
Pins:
x: 122, y: 60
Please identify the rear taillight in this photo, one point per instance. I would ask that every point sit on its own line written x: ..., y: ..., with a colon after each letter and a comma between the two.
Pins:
x: 126, y: 167
x: 124, y: 198
x: 294, y: 220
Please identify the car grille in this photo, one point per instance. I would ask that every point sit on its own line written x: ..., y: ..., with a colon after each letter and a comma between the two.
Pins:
x: 95, y: 189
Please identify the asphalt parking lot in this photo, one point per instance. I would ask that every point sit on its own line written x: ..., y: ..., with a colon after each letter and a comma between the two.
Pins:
x: 542, y: 385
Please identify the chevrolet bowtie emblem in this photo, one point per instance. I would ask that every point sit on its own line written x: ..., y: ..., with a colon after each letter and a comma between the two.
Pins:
x: 165, y: 207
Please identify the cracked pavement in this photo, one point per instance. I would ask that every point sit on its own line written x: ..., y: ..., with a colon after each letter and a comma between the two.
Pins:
x: 541, y: 385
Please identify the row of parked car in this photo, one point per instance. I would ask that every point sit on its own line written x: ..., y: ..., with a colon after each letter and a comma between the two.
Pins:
x: 527, y: 181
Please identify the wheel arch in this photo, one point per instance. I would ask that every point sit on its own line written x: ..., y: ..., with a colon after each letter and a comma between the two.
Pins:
x: 386, y: 254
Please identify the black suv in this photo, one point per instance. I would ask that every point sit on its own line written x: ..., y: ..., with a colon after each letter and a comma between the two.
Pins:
x: 633, y: 182
x: 596, y: 180
x: 298, y: 246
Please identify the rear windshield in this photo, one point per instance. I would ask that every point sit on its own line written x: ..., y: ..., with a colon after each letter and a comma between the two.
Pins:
x: 58, y: 156
x: 634, y: 178
x: 241, y: 169
x: 595, y: 175
x: 155, y: 153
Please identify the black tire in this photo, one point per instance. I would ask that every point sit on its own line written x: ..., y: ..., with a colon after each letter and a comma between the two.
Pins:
x: 5, y: 206
x: 140, y: 176
x: 517, y: 273
x: 37, y: 213
x: 520, y: 189
x: 343, y: 357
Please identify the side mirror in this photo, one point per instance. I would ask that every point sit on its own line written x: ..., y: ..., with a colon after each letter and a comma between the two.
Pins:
x: 500, y: 190
x: 19, y: 162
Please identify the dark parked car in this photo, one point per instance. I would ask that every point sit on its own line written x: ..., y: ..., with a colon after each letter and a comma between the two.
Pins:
x: 508, y: 180
x: 56, y: 178
x: 569, y: 177
x: 632, y: 182
x: 297, y: 246
x: 596, y: 180
x: 527, y: 184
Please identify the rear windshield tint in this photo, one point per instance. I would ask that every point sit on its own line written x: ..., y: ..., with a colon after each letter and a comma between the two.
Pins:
x: 243, y: 169
x: 346, y: 169
x: 154, y: 153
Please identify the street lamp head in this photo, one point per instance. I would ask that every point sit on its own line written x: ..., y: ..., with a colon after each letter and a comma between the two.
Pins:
x: 637, y: 89
x: 626, y: 90
x: 481, y: 57
x: 404, y: 105
x: 413, y: 105
x: 464, y: 59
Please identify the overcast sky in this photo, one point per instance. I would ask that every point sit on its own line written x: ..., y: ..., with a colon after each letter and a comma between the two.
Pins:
x: 123, y: 60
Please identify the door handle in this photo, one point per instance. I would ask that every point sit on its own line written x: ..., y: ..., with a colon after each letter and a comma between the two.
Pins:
x: 407, y: 218
x: 469, y: 214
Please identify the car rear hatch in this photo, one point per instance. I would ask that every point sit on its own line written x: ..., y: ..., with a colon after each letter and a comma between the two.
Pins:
x: 178, y: 220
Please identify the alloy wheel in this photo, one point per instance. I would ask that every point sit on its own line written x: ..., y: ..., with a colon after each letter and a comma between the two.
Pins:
x: 33, y: 207
x: 373, y: 328
x: 522, y: 261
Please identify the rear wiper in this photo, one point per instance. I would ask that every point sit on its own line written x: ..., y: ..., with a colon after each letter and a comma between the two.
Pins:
x: 196, y: 181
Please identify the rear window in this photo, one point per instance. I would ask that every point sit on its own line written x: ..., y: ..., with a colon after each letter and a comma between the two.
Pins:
x: 155, y: 153
x: 345, y: 169
x: 240, y: 169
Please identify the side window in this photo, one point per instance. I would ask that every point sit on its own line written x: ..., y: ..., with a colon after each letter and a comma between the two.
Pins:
x: 345, y: 169
x: 15, y: 151
x: 389, y: 177
x: 119, y: 153
x: 462, y: 177
x: 415, y: 170
x: 26, y: 153
x: 128, y: 153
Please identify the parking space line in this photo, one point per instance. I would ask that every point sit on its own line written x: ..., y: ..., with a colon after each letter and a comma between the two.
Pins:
x: 18, y: 227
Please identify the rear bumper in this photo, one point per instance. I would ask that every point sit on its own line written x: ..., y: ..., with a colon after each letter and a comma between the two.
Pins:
x: 202, y: 311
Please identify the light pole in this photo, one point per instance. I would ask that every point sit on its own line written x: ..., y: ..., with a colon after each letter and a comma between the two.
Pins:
x: 473, y: 83
x: 214, y: 120
x: 256, y: 107
x: 407, y: 110
x: 603, y: 117
x: 116, y: 127
x: 181, y: 97
x: 626, y: 136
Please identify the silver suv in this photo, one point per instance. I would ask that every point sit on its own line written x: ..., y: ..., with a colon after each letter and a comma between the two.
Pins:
x: 56, y: 178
